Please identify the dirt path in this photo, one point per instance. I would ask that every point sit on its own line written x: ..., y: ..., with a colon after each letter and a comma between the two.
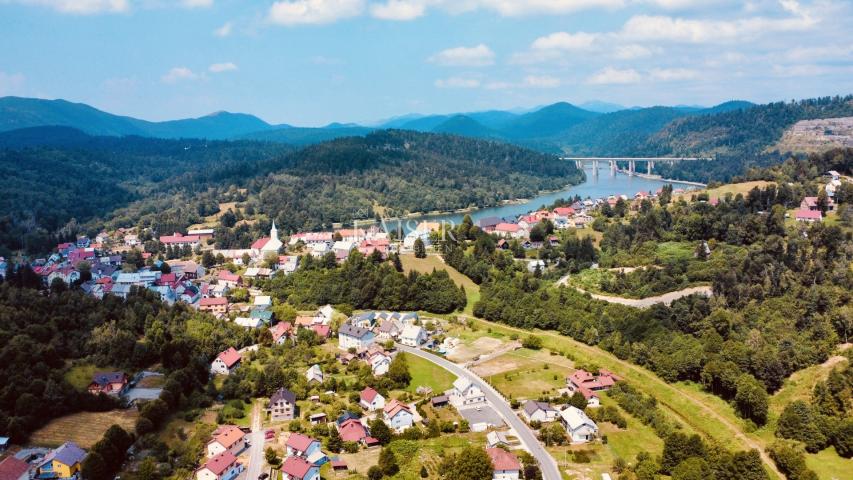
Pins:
x: 650, y: 377
x: 666, y: 298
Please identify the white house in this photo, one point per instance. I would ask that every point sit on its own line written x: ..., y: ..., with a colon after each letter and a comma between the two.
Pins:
x: 380, y: 363
x: 398, y: 415
x: 262, y: 302
x: 413, y: 236
x: 413, y: 336
x: 225, y: 362
x: 297, y: 468
x: 505, y: 464
x: 226, y: 438
x: 247, y: 322
x: 350, y: 336
x: 390, y: 329
x: 465, y: 392
x: 221, y: 467
x: 542, y: 412
x: 314, y: 374
x: 282, y: 405
x: 371, y: 400
x: 326, y: 313
x: 580, y: 427
x: 267, y: 245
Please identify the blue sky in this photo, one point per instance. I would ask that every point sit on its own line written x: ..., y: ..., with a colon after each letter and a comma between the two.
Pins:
x: 310, y: 62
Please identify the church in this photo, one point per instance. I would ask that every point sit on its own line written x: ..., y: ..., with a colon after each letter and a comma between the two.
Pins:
x: 266, y: 245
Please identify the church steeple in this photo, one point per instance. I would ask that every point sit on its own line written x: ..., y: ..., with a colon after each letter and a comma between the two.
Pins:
x: 274, y: 231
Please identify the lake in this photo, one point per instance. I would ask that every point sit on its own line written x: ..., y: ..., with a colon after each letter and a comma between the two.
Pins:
x: 602, y: 186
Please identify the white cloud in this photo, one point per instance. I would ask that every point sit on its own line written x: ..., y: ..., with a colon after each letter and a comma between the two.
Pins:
x: 400, y: 10
x: 613, y: 76
x: 11, y: 83
x: 178, y: 74
x: 224, y: 30
x: 457, y: 82
x: 632, y: 51
x: 541, y: 81
x: 565, y: 41
x: 313, y: 12
x: 511, y: 8
x: 197, y: 3
x: 222, y: 67
x: 672, y: 74
x: 659, y: 27
x: 79, y: 7
x: 477, y: 56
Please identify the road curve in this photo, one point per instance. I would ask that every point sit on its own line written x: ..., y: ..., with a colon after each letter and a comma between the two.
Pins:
x: 666, y: 298
x: 528, y: 439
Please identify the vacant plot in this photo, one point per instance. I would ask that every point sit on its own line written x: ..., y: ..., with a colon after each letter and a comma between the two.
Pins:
x: 468, y: 351
x: 670, y: 252
x: 522, y: 359
x: 84, y: 428
x: 530, y: 383
x: 721, y: 191
x: 427, y: 374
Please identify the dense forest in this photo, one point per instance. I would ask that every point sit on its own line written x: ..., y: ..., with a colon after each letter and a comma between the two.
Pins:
x: 366, y: 283
x: 44, y: 333
x: 56, y: 191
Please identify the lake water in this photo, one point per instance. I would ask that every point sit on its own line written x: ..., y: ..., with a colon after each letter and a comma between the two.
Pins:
x: 601, y: 186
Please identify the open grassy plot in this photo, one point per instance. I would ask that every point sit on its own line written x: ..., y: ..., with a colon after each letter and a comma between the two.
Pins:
x: 670, y: 252
x: 80, y: 376
x: 425, y: 373
x: 828, y: 465
x: 722, y: 190
x: 84, y: 428
x: 526, y: 374
x: 434, y: 262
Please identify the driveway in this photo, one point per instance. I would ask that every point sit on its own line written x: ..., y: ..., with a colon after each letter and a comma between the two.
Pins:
x: 666, y: 298
x: 528, y: 439
x: 256, y: 445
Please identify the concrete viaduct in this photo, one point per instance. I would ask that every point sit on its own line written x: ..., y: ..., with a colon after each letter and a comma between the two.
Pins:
x: 632, y: 162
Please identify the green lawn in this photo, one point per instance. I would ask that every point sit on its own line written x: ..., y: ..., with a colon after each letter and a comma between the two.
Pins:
x: 670, y: 252
x: 426, y: 373
x: 80, y: 376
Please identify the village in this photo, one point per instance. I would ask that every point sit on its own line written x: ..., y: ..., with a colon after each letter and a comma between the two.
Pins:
x: 347, y: 408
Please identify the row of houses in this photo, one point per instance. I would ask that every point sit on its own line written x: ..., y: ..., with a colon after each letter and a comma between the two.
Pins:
x: 63, y: 463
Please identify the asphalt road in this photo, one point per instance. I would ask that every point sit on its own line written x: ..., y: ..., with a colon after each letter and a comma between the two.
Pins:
x: 256, y: 448
x: 528, y: 439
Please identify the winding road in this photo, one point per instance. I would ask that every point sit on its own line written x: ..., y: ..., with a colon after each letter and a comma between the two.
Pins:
x: 666, y: 298
x: 528, y: 439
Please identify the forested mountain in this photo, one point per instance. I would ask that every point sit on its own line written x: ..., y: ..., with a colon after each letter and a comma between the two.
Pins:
x: 301, y: 136
x: 17, y: 113
x: 55, y: 190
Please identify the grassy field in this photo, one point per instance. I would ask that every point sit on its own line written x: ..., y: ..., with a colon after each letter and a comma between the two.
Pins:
x: 434, y: 262
x: 425, y: 373
x: 721, y: 191
x: 84, y: 428
x: 670, y: 252
x: 80, y: 376
x: 695, y: 409
x: 526, y: 374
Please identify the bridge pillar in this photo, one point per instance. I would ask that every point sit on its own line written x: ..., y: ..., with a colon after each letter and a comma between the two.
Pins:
x: 595, y: 168
x: 612, y: 168
x: 632, y: 167
x: 649, y: 166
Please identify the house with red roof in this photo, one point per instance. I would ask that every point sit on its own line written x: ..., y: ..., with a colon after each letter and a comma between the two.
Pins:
x: 352, y: 430
x: 227, y: 438
x: 811, y: 203
x: 510, y: 230
x: 505, y: 464
x: 588, y: 384
x: 180, y: 240
x: 214, y: 305
x: 808, y: 216
x: 108, y: 383
x: 281, y: 332
x: 226, y: 362
x: 297, y: 468
x: 371, y: 400
x: 564, y: 212
x: 299, y: 445
x: 13, y: 469
x: 231, y: 280
x: 221, y: 467
x: 398, y: 415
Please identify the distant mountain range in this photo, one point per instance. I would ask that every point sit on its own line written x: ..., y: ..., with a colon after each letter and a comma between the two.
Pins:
x: 599, y: 129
